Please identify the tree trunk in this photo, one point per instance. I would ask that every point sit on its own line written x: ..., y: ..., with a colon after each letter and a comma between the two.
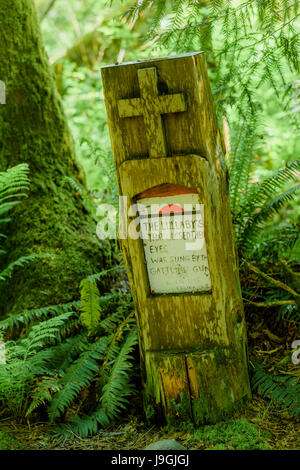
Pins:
x: 33, y: 129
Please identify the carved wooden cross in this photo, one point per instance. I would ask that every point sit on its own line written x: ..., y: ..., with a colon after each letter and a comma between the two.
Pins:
x: 151, y: 106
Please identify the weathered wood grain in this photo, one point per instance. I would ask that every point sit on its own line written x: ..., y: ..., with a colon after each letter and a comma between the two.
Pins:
x: 193, y: 346
x: 151, y: 106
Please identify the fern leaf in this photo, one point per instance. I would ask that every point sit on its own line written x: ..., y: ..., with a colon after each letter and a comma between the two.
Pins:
x: 282, y: 390
x: 82, y: 426
x: 252, y: 227
x: 45, y: 332
x: 28, y: 316
x: 7, y: 272
x: 42, y: 394
x: 117, y: 387
x: 79, y: 375
x: 114, y: 396
x: 90, y: 306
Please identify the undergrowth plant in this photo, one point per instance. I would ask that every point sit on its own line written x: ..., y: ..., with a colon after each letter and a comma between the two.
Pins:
x: 235, y: 434
x: 73, y: 360
x: 14, y: 185
x: 282, y: 390
x: 254, y: 203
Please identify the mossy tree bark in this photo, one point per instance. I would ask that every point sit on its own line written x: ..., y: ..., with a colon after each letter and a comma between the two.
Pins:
x: 33, y: 129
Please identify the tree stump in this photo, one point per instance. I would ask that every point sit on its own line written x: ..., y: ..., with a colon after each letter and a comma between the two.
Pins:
x: 169, y: 155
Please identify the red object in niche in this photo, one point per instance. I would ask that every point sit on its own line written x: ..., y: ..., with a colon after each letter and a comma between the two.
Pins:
x: 171, y: 208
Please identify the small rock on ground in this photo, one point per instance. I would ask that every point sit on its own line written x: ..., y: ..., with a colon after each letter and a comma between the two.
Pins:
x: 165, y: 444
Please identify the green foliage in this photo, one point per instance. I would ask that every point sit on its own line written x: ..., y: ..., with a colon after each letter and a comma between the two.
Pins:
x: 117, y: 385
x: 251, y: 48
x: 249, y: 29
x: 239, y: 41
x: 8, y: 442
x: 237, y: 434
x: 27, y: 317
x: 103, y: 158
x: 77, y: 377
x: 256, y: 202
x: 290, y: 312
x: 26, y: 359
x: 66, y: 350
x: 90, y: 307
x: 115, y: 392
x: 251, y: 51
x: 14, y: 184
x: 84, y: 106
x: 248, y: 44
x: 283, y: 390
x: 22, y: 261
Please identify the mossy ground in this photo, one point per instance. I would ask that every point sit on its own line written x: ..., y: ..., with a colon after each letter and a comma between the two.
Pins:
x: 236, y: 434
x: 258, y: 427
x: 8, y: 442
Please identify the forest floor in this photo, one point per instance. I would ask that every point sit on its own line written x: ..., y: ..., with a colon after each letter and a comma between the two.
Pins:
x: 275, y: 430
x: 261, y: 425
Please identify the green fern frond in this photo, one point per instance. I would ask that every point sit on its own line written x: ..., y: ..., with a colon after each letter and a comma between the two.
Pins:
x: 242, y: 158
x: 14, y: 179
x: 51, y: 368
x: 44, y: 333
x: 252, y: 226
x: 117, y: 387
x: 73, y: 184
x: 57, y: 359
x: 40, y: 335
x: 7, y: 206
x: 26, y: 317
x: 290, y: 312
x: 119, y: 325
x: 82, y: 426
x: 14, y: 183
x: 282, y: 390
x: 20, y: 262
x: 114, y: 398
x: 105, y: 272
x: 116, y: 319
x: 260, y: 192
x: 90, y: 306
x: 78, y: 376
x: 43, y: 393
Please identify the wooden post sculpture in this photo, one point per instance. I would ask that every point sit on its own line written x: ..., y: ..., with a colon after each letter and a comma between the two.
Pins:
x: 169, y: 155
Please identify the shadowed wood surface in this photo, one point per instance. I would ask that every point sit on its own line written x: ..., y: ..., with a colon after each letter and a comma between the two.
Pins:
x: 151, y: 106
